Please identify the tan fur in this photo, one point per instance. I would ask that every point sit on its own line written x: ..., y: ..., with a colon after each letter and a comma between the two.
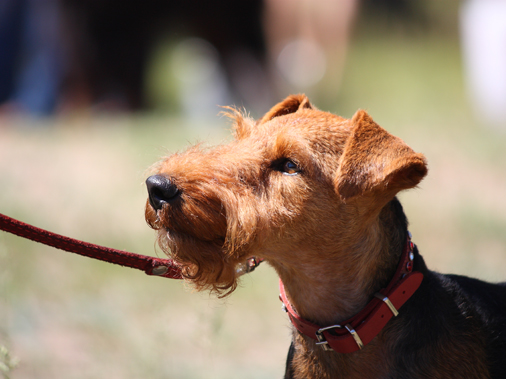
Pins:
x: 321, y: 229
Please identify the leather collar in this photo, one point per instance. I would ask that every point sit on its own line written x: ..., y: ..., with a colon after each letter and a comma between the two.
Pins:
x: 356, y: 332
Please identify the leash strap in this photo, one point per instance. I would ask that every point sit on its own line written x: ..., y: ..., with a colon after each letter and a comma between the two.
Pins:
x: 150, y: 265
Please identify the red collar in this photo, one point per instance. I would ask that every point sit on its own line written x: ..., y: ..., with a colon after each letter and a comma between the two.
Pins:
x: 356, y: 332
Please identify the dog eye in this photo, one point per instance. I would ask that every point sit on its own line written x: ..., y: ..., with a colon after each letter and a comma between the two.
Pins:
x: 290, y: 168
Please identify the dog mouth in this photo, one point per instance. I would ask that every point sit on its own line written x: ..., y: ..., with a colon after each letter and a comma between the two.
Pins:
x: 178, y: 242
x: 241, y: 268
x: 248, y: 266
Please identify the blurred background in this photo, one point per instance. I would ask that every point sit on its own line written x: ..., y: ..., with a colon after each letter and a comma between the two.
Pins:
x: 94, y: 92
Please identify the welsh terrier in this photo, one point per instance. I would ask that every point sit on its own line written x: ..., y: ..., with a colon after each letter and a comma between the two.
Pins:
x: 314, y: 195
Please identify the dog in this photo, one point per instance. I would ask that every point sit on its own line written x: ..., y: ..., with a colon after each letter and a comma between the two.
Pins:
x: 314, y: 195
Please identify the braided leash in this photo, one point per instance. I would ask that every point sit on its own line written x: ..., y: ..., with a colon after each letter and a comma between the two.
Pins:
x: 150, y: 265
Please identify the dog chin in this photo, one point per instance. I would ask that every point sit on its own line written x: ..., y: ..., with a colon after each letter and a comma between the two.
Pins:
x: 206, y: 263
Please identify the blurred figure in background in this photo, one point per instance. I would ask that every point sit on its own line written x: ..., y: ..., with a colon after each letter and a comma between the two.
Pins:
x: 67, y: 55
x: 111, y: 43
x: 483, y: 32
x: 31, y: 57
x: 110, y: 55
x: 308, y: 42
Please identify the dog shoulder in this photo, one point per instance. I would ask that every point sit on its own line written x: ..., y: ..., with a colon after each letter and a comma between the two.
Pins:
x: 458, y: 319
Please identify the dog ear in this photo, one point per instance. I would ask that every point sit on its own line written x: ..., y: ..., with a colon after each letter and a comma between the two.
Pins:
x: 290, y: 105
x: 375, y: 160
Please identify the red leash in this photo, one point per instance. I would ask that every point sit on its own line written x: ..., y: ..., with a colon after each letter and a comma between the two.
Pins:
x: 150, y: 265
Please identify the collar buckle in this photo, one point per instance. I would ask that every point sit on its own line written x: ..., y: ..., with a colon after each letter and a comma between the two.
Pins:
x: 322, y: 341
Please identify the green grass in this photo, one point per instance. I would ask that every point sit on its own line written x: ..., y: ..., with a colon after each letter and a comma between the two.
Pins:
x: 65, y: 316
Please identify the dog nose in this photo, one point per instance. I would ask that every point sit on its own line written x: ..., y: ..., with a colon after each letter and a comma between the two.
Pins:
x: 161, y: 190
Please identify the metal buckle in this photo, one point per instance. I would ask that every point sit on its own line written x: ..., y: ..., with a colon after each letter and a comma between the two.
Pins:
x: 324, y: 343
x: 387, y: 301
x: 321, y: 338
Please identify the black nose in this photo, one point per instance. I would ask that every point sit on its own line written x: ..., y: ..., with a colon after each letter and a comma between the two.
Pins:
x: 161, y: 190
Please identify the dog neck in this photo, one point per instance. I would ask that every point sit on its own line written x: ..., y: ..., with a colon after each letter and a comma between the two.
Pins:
x: 337, y: 286
x: 369, y: 322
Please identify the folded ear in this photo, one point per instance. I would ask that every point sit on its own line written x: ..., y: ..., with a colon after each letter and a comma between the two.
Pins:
x: 374, y: 160
x: 290, y: 105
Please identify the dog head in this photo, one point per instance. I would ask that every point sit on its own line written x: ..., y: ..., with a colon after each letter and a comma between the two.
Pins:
x: 292, y: 181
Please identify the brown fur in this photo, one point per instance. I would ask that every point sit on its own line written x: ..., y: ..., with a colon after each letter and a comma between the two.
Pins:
x: 329, y: 230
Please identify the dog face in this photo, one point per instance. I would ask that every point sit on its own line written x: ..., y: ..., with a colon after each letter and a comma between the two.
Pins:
x: 296, y: 180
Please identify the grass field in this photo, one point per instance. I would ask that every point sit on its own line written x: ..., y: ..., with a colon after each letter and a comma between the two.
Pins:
x: 65, y: 316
